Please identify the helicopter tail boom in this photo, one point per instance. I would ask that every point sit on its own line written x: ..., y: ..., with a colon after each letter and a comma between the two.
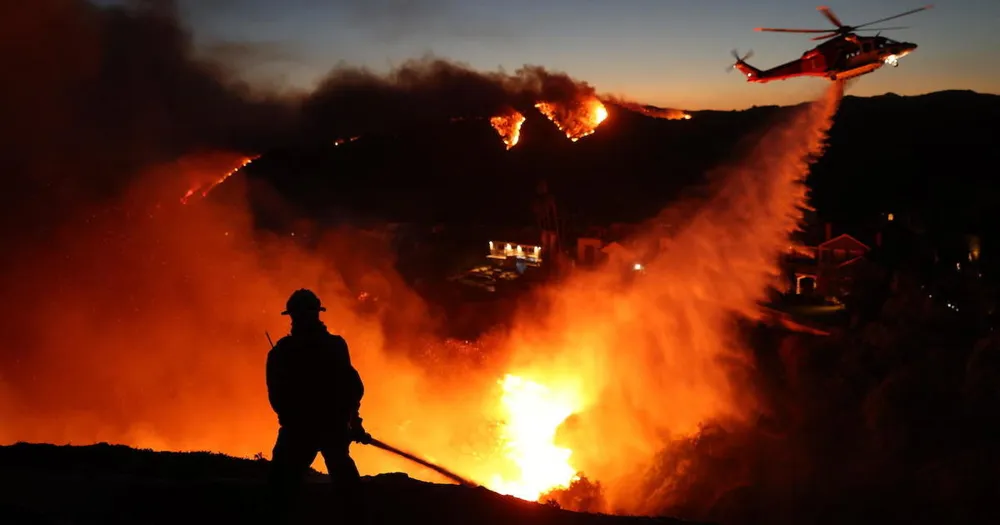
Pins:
x: 741, y: 65
x: 749, y: 71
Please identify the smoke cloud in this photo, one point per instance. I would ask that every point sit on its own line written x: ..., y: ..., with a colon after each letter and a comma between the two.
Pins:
x: 352, y: 100
x: 99, y: 93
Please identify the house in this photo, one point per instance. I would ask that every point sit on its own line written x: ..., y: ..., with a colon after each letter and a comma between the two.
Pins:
x: 837, y: 259
x: 825, y: 269
x: 529, y: 254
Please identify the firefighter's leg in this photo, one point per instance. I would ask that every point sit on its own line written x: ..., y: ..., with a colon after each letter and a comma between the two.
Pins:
x: 293, y: 453
x: 346, y: 480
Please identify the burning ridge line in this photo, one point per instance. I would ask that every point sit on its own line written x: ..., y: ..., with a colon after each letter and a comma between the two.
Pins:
x: 204, y: 193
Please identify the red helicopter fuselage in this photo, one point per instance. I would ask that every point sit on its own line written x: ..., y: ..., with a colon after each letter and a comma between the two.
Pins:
x: 843, y: 54
x: 838, y: 59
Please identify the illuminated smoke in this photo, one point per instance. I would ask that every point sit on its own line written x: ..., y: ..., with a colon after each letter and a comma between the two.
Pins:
x: 648, y: 110
x: 354, y: 101
x: 646, y: 363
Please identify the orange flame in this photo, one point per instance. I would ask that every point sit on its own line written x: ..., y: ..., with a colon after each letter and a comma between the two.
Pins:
x: 652, y: 111
x: 509, y: 127
x: 533, y: 414
x: 577, y: 120
x: 211, y: 185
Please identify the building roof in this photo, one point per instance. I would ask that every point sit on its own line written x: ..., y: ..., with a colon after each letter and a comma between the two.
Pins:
x: 844, y: 242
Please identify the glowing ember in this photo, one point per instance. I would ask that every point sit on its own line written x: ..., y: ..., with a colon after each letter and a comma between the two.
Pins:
x: 340, y: 142
x: 509, y: 127
x: 533, y: 413
x: 576, y: 121
x: 208, y: 187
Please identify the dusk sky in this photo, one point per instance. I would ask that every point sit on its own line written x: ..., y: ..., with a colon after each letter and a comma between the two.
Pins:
x: 667, y: 52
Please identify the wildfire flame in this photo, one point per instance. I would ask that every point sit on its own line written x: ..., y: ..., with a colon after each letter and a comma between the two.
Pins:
x: 653, y: 111
x: 509, y: 127
x: 576, y: 121
x: 211, y: 185
x: 533, y: 413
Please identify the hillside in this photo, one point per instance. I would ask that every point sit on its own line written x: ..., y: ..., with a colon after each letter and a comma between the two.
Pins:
x: 920, y: 153
x: 45, y: 484
x: 931, y: 155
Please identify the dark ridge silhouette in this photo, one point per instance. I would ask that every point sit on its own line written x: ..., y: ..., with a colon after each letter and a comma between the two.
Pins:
x: 117, y: 484
x: 922, y: 155
x: 926, y: 155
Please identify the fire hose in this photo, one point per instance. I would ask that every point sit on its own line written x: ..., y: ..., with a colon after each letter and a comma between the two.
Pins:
x: 424, y: 463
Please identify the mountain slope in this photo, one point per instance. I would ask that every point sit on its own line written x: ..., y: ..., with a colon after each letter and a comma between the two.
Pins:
x: 923, y: 153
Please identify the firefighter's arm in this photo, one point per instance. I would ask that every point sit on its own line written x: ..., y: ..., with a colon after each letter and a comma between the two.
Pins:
x: 348, y: 378
x: 353, y: 390
x: 275, y: 382
x: 356, y: 391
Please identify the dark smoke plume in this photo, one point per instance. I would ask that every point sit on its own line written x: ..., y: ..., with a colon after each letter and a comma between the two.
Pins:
x: 96, y: 94
x: 354, y: 100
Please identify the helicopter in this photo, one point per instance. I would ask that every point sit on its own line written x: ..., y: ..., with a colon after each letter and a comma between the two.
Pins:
x: 844, y: 55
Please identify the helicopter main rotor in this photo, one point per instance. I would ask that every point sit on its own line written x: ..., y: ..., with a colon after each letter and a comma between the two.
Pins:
x: 841, y: 28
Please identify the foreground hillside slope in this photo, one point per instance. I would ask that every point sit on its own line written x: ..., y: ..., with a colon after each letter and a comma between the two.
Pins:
x: 107, y: 484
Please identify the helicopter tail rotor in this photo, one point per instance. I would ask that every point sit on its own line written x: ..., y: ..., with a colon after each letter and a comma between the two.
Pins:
x: 739, y: 59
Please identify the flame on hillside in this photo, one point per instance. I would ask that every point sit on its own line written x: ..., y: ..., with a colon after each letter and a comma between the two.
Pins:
x: 204, y: 188
x: 532, y: 414
x: 509, y: 127
x: 650, y: 111
x: 576, y: 120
